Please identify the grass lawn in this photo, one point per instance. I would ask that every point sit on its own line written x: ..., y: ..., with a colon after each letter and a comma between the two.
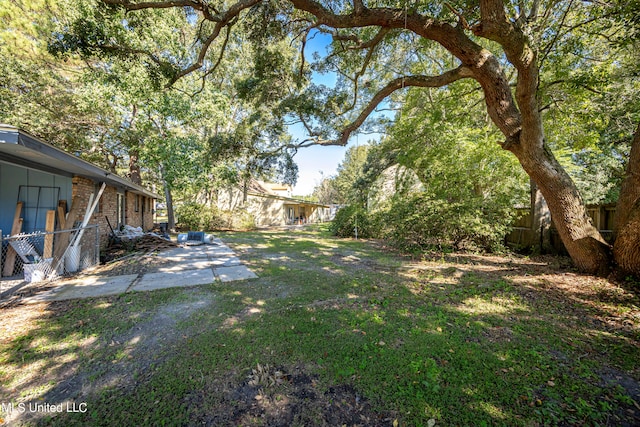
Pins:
x: 334, y: 332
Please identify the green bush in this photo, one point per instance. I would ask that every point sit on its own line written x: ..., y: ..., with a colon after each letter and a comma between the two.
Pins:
x: 344, y: 224
x: 419, y: 222
x: 195, y: 216
x: 241, y: 219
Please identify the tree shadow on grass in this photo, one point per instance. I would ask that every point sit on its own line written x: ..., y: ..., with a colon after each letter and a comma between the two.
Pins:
x: 576, y: 329
x: 490, y: 341
x: 555, y: 346
x: 80, y: 348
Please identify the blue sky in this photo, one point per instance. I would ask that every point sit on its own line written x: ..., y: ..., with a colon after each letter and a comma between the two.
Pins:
x: 314, y: 162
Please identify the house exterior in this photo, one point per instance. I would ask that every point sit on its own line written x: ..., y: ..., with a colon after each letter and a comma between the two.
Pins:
x: 43, y: 177
x: 272, y: 204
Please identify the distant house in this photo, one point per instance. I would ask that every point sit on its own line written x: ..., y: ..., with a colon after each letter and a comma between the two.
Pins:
x: 44, y: 177
x: 272, y: 204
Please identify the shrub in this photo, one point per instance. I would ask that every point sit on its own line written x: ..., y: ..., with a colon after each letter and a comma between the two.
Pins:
x: 195, y: 216
x: 344, y: 224
x: 241, y: 219
x: 419, y: 222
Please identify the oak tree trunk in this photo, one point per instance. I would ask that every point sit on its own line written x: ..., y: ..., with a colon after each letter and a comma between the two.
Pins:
x: 626, y: 230
x: 588, y: 250
x: 626, y: 249
x: 134, y: 167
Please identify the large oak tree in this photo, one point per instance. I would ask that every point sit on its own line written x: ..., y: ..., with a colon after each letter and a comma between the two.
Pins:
x: 382, y: 47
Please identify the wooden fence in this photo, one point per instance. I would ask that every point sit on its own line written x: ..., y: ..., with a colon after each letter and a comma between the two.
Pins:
x: 523, y: 236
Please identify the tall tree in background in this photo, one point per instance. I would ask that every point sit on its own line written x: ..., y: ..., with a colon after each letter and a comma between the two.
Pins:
x: 325, y: 191
x: 37, y: 92
x: 111, y: 107
x: 442, y: 136
x: 350, y: 171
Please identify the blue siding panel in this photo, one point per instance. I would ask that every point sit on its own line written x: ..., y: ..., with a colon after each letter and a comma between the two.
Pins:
x: 40, y: 192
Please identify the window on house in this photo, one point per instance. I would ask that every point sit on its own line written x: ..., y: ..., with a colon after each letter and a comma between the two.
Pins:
x: 136, y: 205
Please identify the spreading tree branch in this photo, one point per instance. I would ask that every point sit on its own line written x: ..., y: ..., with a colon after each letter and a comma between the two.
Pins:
x: 484, y: 67
x: 370, y: 46
x: 217, y: 63
x: 402, y: 82
x: 477, y: 62
x: 225, y: 19
x: 201, y: 6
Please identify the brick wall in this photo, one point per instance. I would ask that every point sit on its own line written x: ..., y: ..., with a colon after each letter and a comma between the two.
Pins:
x: 149, y: 207
x: 139, y: 211
x: 108, y: 207
x: 133, y: 214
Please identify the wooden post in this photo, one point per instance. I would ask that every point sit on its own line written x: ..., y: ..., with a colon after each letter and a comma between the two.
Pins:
x: 62, y: 217
x: 63, y: 238
x: 61, y: 224
x: 10, y: 260
x: 62, y: 213
x: 48, y: 238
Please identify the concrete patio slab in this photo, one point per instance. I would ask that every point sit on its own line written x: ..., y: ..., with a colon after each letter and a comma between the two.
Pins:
x: 195, y: 252
x: 186, y: 264
x: 225, y: 261
x: 230, y: 274
x: 220, y: 251
x: 194, y: 265
x: 87, y: 287
x: 163, y: 280
x: 187, y: 252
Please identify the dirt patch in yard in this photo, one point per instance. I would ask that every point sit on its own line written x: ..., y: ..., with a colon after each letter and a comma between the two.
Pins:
x: 134, y: 264
x: 282, y: 397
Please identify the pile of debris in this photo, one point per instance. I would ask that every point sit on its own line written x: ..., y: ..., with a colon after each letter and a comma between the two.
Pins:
x: 128, y: 232
x: 150, y: 242
x: 132, y: 240
x: 136, y: 240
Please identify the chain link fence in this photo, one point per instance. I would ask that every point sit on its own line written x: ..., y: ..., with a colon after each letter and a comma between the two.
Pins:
x: 46, y: 256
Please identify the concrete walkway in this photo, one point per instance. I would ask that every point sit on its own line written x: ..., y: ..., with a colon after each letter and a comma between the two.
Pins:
x: 186, y: 266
